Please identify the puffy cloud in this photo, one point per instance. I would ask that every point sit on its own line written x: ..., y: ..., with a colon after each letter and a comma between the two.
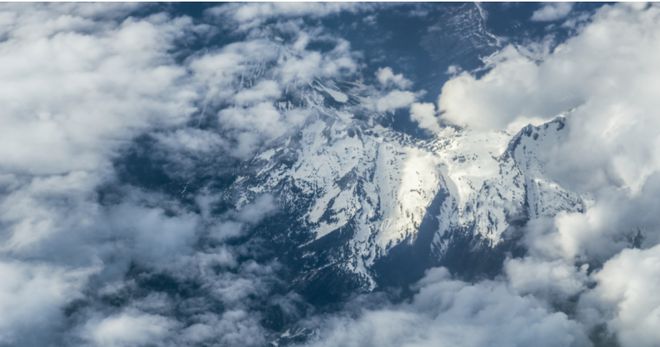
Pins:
x: 552, y: 12
x: 554, y: 280
x: 307, y: 65
x: 80, y: 83
x: 31, y: 297
x: 75, y: 86
x: 47, y: 213
x: 614, y: 221
x: 394, y: 100
x: 128, y: 328
x: 386, y: 78
x: 221, y: 70
x: 233, y: 328
x: 624, y: 296
x: 248, y: 16
x: 192, y: 140
x: 480, y: 103
x: 264, y: 90
x: 517, y: 87
x: 447, y: 312
x: 150, y: 234
x: 424, y: 115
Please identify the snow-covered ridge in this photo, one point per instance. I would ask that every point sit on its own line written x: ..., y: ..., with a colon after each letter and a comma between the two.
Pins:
x: 350, y: 175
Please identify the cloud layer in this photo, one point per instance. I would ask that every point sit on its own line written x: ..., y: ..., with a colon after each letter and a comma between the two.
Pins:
x: 85, y: 264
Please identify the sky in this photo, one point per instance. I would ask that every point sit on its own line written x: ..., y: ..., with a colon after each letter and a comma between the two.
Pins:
x: 94, y: 96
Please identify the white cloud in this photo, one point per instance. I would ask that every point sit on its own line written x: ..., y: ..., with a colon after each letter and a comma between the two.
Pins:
x: 40, y: 211
x: 192, y: 140
x: 394, y: 100
x: 263, y: 118
x: 233, y: 328
x: 79, y: 83
x: 447, y: 312
x: 248, y: 16
x: 74, y: 89
x: 515, y: 89
x: 31, y: 296
x: 553, y: 281
x: 306, y: 65
x: 386, y: 78
x: 625, y: 297
x: 424, y: 115
x: 264, y: 90
x: 552, y: 11
x: 128, y: 328
x: 152, y: 236
x: 220, y: 71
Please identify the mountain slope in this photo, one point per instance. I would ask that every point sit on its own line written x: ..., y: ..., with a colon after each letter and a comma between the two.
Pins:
x: 356, y: 192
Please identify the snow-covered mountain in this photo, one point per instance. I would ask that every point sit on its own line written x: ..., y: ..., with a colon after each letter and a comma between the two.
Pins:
x: 356, y: 193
